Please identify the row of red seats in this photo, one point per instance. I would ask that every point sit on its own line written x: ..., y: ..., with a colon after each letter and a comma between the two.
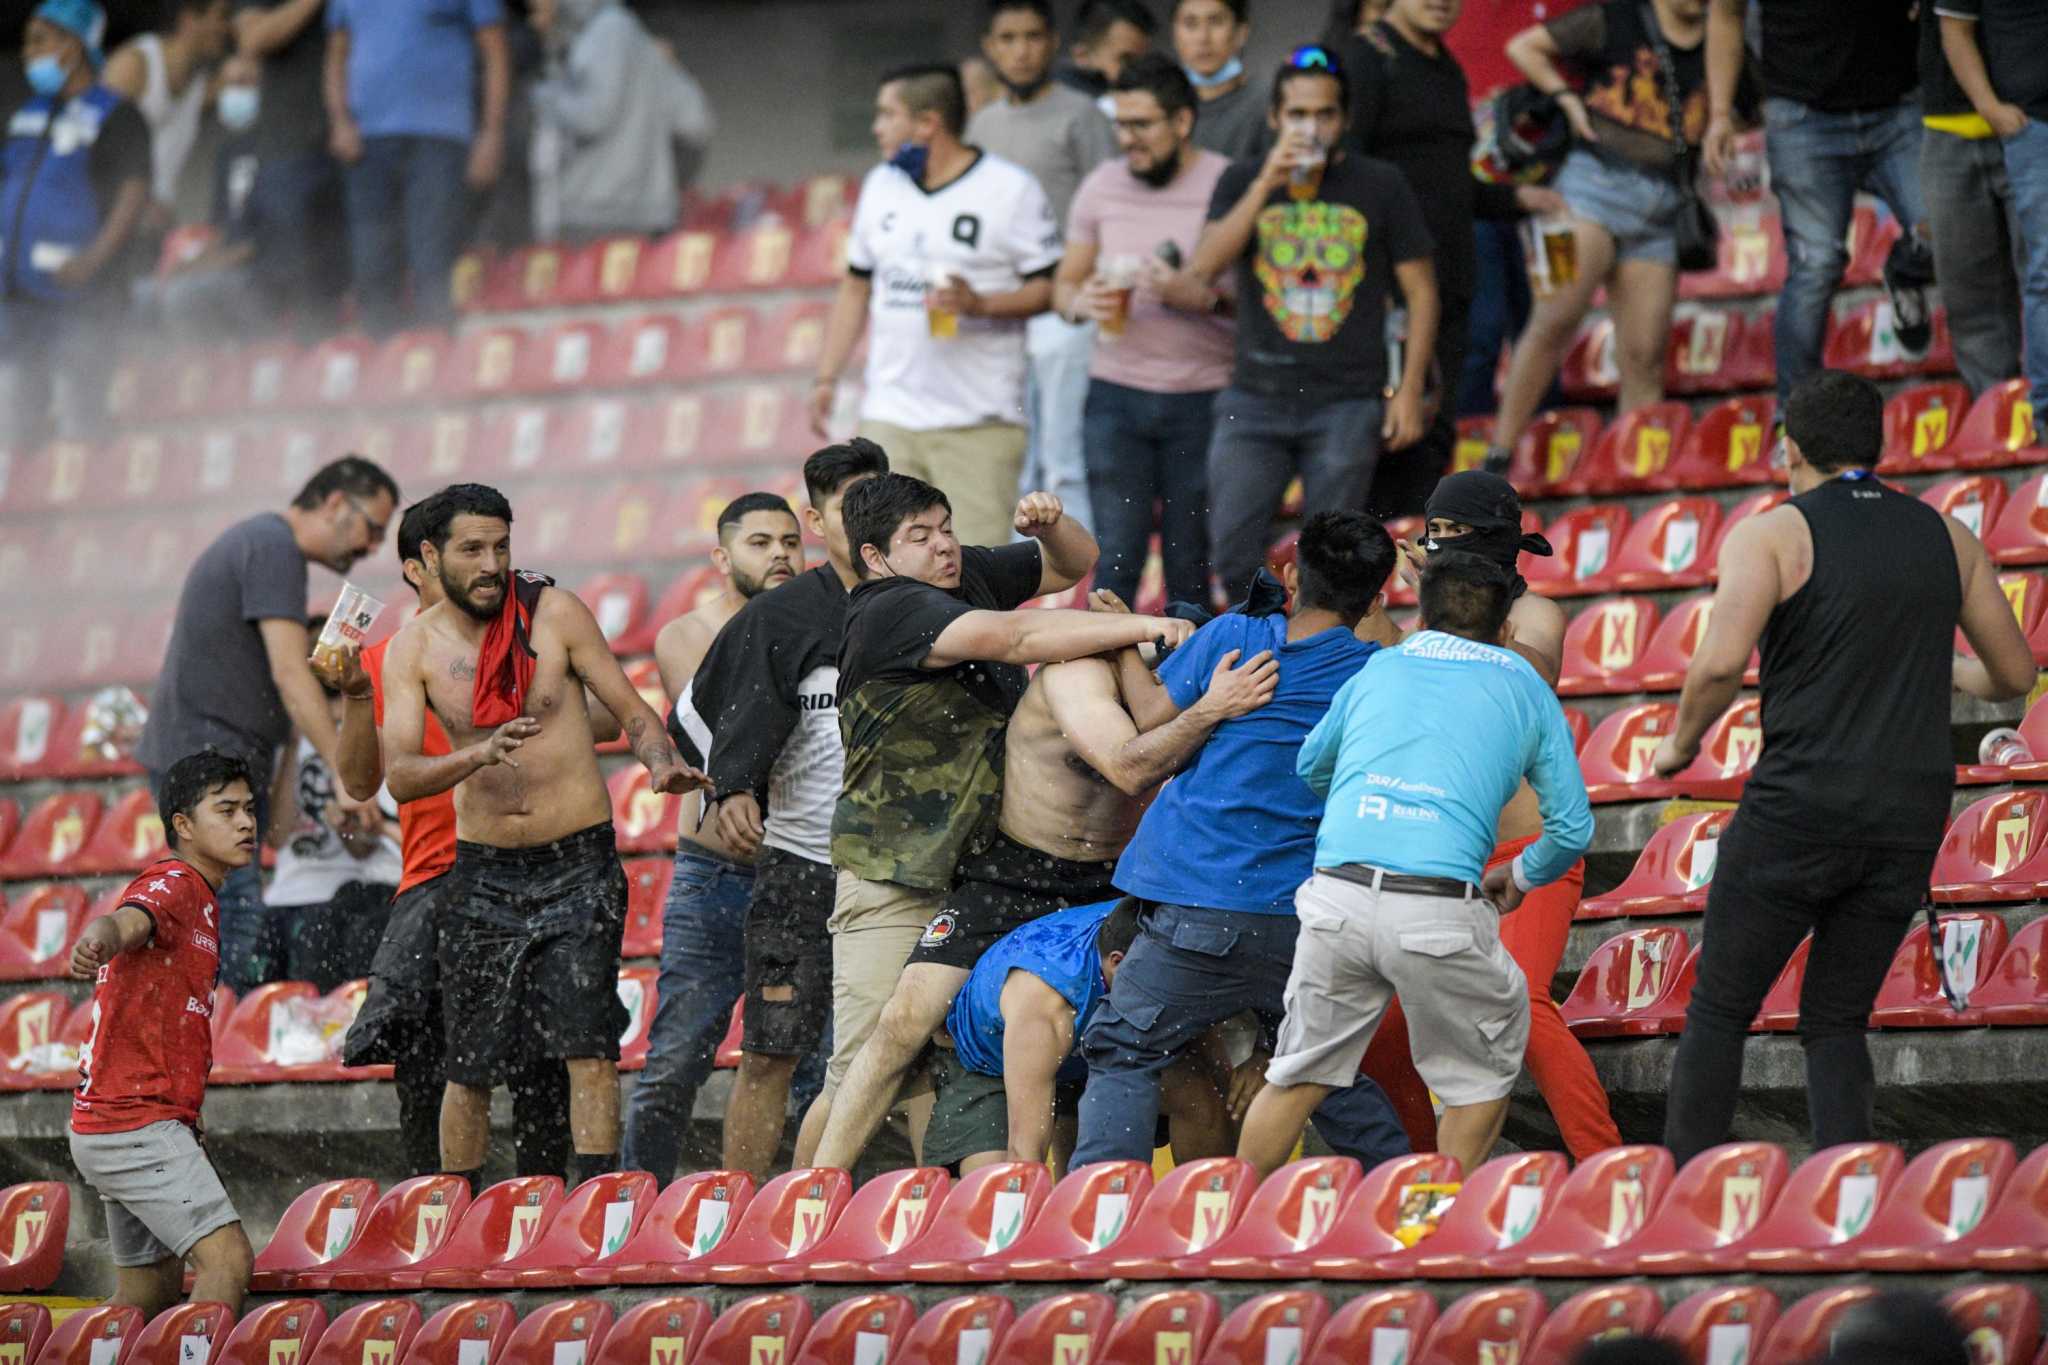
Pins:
x: 76, y: 834
x: 1627, y: 1211
x: 1638, y: 984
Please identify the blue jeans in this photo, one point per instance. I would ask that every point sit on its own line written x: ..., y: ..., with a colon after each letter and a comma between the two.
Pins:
x: 1190, y: 969
x: 255, y: 939
x: 1261, y: 444
x: 2026, y: 168
x: 408, y: 209
x: 1059, y: 352
x: 1979, y: 252
x: 294, y: 218
x: 1143, y: 448
x: 1818, y: 161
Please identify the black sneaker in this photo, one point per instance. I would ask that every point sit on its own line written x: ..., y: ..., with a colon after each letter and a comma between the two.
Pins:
x: 1497, y: 461
x: 1908, y: 270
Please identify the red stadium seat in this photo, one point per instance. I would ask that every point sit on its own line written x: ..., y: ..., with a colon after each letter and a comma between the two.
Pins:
x: 886, y: 1217
x: 716, y: 344
x: 1976, y: 500
x: 1189, y: 1210
x: 1380, y: 1327
x: 1999, y: 430
x: 689, y: 1221
x: 618, y: 601
x: 35, y: 1218
x: 29, y: 1024
x: 1668, y: 547
x: 1281, y: 1326
x: 1488, y: 1325
x: 1942, y: 1197
x: 593, y: 1224
x: 1602, y: 645
x: 37, y: 930
x: 1972, y: 942
x: 524, y: 279
x: 1669, y: 653
x: 1292, y: 1213
x: 1754, y: 505
x: 184, y: 1332
x: 331, y: 374
x: 1827, y: 1204
x: 466, y: 1332
x: 968, y: 1328
x: 643, y: 350
x: 1918, y: 423
x: 1590, y: 373
x: 94, y: 1336
x: 983, y: 1215
x: 1603, y: 1311
x: 1751, y: 262
x: 1088, y: 1211
x: 500, y: 1224
x: 1616, y: 756
x: 1804, y: 1330
x: 319, y: 1226
x: 62, y: 476
x: 1728, y: 751
x: 792, y: 1213
x: 679, y: 263
x: 1065, y: 1327
x: 764, y: 1330
x: 566, y: 1332
x: 601, y: 271
x: 286, y: 1031
x: 865, y: 1327
x: 1498, y: 1206
x: 1779, y: 1012
x: 1863, y: 338
x: 2017, y: 992
x: 1581, y: 726
x: 1551, y: 447
x: 1174, y: 1325
x: 135, y: 464
x: 2019, y: 533
x: 728, y: 1054
x: 281, y: 1332
x: 757, y: 258
x: 2028, y: 596
x: 1601, y: 1206
x: 2003, y: 1321
x: 790, y: 339
x: 379, y: 1332
x: 1993, y: 850
x: 128, y: 838
x: 1723, y: 1325
x: 665, y: 1331
x: 647, y: 882
x: 485, y: 363
x: 51, y: 838
x: 407, y: 368
x: 1363, y: 1244
x: 1704, y: 350
x: 1634, y: 453
x: 2013, y: 1236
x: 645, y: 819
x: 1585, y: 540
x: 637, y: 994
x: 1622, y: 989
x: 412, y: 1221
x: 1671, y: 874
x: 563, y: 357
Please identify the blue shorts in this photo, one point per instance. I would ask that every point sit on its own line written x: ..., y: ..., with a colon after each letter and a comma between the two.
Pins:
x: 1638, y: 209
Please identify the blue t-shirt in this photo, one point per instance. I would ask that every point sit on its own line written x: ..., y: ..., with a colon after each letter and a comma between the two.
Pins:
x: 1236, y: 828
x: 412, y: 64
x: 1058, y: 949
x: 1420, y: 752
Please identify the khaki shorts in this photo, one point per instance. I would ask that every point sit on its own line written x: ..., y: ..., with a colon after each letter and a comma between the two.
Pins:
x: 874, y: 926
x: 1466, y: 1001
x: 977, y: 468
x: 161, y: 1191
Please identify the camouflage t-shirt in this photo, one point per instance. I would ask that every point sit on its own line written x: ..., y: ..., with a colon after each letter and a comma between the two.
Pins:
x: 923, y: 746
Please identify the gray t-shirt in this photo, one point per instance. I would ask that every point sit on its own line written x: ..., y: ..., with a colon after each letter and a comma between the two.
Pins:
x: 215, y: 686
x: 1058, y: 137
x: 1233, y: 125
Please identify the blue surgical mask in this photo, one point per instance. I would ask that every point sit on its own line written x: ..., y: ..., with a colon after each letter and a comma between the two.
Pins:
x: 46, y: 74
x: 1225, y: 74
x: 911, y: 159
x: 239, y: 105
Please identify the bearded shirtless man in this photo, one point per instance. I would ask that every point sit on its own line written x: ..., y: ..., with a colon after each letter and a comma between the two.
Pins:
x: 1078, y: 773
x: 530, y: 940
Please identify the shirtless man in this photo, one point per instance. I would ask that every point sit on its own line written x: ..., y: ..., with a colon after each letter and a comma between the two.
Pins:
x: 1480, y: 513
x: 537, y: 906
x: 1078, y: 771
x: 760, y: 546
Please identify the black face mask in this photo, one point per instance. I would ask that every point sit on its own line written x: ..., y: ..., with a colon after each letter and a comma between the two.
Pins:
x: 1487, y: 503
x: 1023, y: 93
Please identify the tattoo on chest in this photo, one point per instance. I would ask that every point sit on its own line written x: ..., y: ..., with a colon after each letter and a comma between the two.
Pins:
x: 462, y: 670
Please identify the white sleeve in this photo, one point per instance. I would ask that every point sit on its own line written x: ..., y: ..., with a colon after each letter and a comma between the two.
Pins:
x: 860, y: 250
x: 1030, y: 235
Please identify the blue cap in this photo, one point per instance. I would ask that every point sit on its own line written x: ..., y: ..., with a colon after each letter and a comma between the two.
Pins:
x: 83, y: 20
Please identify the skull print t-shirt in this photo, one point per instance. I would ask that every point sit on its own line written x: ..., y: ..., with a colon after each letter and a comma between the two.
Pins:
x: 1313, y: 282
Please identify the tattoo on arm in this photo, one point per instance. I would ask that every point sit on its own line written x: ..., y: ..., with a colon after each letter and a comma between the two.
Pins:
x: 650, y: 744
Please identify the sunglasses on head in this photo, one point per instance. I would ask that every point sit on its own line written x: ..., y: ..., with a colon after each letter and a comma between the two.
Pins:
x: 1311, y: 57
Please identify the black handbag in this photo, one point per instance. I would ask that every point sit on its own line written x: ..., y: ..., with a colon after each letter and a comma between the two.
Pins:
x: 1696, y: 230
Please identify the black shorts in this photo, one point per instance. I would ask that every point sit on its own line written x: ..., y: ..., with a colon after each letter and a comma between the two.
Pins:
x: 788, y: 946
x: 404, y: 996
x: 530, y: 954
x: 1004, y: 887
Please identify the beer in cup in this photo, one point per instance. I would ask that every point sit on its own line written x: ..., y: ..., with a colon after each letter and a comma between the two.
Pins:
x: 1305, y: 181
x: 1552, y: 246
x: 943, y: 323
x: 1119, y: 276
x: 354, y: 612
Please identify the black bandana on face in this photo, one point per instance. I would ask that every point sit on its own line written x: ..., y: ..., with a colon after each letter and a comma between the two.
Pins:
x: 1487, y: 503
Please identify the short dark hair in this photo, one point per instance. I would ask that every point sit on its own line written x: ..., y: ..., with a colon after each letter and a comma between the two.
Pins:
x: 413, y: 528
x: 458, y: 500
x: 1838, y: 420
x: 734, y: 511
x: 1242, y: 9
x: 1631, y: 1350
x: 827, y: 471
x: 1120, y: 930
x: 1323, y: 64
x: 1159, y: 76
x: 351, y: 474
x: 998, y: 8
x: 1343, y: 559
x: 1465, y: 595
x: 874, y: 509
x: 933, y: 87
x: 1096, y: 18
x: 191, y: 780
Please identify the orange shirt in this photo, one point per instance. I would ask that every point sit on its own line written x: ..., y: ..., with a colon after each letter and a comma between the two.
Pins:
x: 426, y: 828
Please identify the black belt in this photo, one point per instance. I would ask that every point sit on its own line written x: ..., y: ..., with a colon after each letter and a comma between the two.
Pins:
x: 1379, y: 879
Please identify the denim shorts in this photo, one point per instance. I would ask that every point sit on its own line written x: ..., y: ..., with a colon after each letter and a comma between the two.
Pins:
x: 1639, y: 209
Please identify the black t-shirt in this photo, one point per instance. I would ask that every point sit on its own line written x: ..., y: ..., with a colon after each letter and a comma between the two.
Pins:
x: 891, y: 623
x: 2014, y: 37
x: 1940, y: 96
x: 294, y: 113
x: 122, y: 153
x: 1840, y: 55
x: 1626, y: 94
x: 1312, y: 284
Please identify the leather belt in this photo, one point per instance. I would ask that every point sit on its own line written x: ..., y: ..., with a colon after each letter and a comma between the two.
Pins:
x: 1379, y: 879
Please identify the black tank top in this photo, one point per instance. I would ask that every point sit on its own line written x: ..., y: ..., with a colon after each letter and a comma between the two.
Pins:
x: 1857, y: 672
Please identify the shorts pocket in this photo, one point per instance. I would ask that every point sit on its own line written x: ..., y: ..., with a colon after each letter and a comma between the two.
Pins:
x: 1504, y: 1039
x: 1210, y: 940
x: 1132, y: 1005
x: 1445, y: 942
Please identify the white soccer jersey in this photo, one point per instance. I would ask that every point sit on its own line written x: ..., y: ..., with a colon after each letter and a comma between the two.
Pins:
x: 992, y: 227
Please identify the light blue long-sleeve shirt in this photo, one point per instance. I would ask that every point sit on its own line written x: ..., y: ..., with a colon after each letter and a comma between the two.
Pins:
x: 1422, y: 748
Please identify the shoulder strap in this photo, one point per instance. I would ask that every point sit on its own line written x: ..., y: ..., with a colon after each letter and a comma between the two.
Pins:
x: 1667, y: 70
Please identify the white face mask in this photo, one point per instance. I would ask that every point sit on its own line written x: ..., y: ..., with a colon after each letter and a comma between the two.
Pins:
x: 239, y: 106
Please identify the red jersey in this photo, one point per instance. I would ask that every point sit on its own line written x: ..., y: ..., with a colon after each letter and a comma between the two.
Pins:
x: 426, y: 827
x: 152, y: 1010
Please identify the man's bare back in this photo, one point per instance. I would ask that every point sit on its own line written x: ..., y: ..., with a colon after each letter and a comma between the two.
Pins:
x: 1053, y: 800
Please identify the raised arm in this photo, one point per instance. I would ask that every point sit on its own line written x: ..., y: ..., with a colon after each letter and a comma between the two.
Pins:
x: 1041, y: 635
x: 1066, y: 551
x: 260, y: 32
x: 358, y: 759
x: 1038, y: 1033
x: 2004, y: 666
x: 1083, y: 698
x: 285, y: 645
x: 590, y: 658
x: 1225, y: 238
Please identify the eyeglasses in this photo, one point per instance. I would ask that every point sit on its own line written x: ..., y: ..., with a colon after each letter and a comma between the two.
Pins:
x: 1312, y: 57
x: 377, y: 528
x: 1138, y: 125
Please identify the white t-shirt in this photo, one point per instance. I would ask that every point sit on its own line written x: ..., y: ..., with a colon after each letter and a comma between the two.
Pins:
x: 314, y: 864
x: 803, y: 787
x: 992, y: 226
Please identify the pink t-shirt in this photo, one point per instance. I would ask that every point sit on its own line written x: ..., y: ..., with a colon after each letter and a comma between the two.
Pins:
x: 1162, y: 350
